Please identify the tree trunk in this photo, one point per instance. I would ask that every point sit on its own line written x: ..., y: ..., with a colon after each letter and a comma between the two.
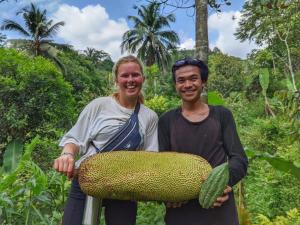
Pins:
x: 202, y: 37
x: 201, y: 30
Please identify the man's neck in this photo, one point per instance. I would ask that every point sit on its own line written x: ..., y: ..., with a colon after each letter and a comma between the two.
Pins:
x: 195, y: 111
x: 192, y: 106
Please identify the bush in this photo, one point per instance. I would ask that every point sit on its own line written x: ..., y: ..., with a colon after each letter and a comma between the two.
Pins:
x: 161, y: 104
x: 33, y: 94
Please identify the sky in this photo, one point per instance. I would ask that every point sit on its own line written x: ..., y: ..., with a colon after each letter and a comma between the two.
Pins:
x: 100, y: 24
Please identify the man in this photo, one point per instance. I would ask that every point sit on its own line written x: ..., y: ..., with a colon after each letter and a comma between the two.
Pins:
x: 208, y: 131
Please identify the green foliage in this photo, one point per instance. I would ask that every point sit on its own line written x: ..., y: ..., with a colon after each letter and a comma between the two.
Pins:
x: 151, y: 84
x: 214, y: 98
x: 44, y: 152
x: 226, y: 74
x: 12, y: 155
x: 9, y: 179
x: 31, y: 196
x: 150, y: 213
x: 292, y: 218
x: 275, y: 27
x: 32, y: 94
x: 269, y: 192
x: 277, y: 162
x: 87, y: 80
x: 264, y: 80
x: 161, y: 104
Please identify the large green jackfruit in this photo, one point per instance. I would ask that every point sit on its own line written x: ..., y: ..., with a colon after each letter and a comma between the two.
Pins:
x: 141, y: 175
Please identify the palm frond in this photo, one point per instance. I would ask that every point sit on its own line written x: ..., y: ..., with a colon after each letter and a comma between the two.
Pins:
x: 147, y: 38
x: 52, y: 30
x: 12, y: 25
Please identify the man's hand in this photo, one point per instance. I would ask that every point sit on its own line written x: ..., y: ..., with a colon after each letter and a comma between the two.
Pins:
x: 220, y: 200
x: 175, y: 204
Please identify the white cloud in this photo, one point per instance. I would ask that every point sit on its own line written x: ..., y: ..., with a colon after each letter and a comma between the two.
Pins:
x: 225, y: 26
x: 91, y: 27
x: 187, y: 44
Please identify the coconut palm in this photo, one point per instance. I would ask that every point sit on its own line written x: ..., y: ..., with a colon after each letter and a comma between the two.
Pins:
x: 148, y: 38
x: 37, y: 28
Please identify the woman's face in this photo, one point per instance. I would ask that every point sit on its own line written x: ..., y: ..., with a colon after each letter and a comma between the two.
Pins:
x: 129, y: 80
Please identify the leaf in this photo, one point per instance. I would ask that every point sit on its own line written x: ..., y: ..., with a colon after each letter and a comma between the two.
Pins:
x: 12, y: 155
x: 11, y: 178
x: 282, y: 165
x: 277, y: 162
x: 289, y: 85
x: 251, y: 153
x: 264, y: 79
x: 38, y: 181
x: 214, y: 98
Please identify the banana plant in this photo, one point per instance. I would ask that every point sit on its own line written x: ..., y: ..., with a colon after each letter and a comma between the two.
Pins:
x: 12, y: 155
x: 264, y: 83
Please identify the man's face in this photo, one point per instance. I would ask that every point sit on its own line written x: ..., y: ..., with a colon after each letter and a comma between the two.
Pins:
x: 188, y: 83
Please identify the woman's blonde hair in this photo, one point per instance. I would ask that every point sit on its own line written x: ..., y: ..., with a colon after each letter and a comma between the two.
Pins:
x: 127, y: 59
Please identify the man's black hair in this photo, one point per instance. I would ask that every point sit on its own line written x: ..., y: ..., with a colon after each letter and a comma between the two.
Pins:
x: 193, y: 62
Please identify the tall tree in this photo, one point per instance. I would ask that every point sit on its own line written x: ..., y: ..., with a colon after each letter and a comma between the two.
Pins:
x: 37, y: 28
x: 275, y: 24
x: 148, y: 37
x: 201, y: 29
x: 96, y: 56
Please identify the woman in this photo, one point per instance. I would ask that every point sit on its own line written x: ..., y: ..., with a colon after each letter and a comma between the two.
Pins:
x: 96, y: 131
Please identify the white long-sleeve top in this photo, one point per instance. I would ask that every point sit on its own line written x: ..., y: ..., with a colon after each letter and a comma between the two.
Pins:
x: 101, y: 119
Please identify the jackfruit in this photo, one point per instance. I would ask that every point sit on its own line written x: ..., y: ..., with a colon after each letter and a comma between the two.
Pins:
x: 141, y: 175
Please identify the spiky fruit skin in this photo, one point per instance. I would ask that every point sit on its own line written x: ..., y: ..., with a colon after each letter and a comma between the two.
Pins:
x: 214, y: 186
x: 141, y: 175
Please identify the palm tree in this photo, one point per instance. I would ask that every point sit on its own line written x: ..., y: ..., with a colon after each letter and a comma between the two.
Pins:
x: 37, y: 28
x: 148, y: 37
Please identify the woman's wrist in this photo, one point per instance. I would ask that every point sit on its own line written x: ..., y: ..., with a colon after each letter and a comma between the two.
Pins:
x: 68, y: 153
x: 70, y: 149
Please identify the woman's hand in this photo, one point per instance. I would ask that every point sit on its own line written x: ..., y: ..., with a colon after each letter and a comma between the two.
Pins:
x: 220, y: 200
x: 65, y: 163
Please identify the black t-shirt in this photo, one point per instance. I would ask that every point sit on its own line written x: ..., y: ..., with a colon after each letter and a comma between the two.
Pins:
x: 215, y: 138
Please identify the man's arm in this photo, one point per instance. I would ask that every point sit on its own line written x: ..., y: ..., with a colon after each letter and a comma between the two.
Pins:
x: 237, y: 158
